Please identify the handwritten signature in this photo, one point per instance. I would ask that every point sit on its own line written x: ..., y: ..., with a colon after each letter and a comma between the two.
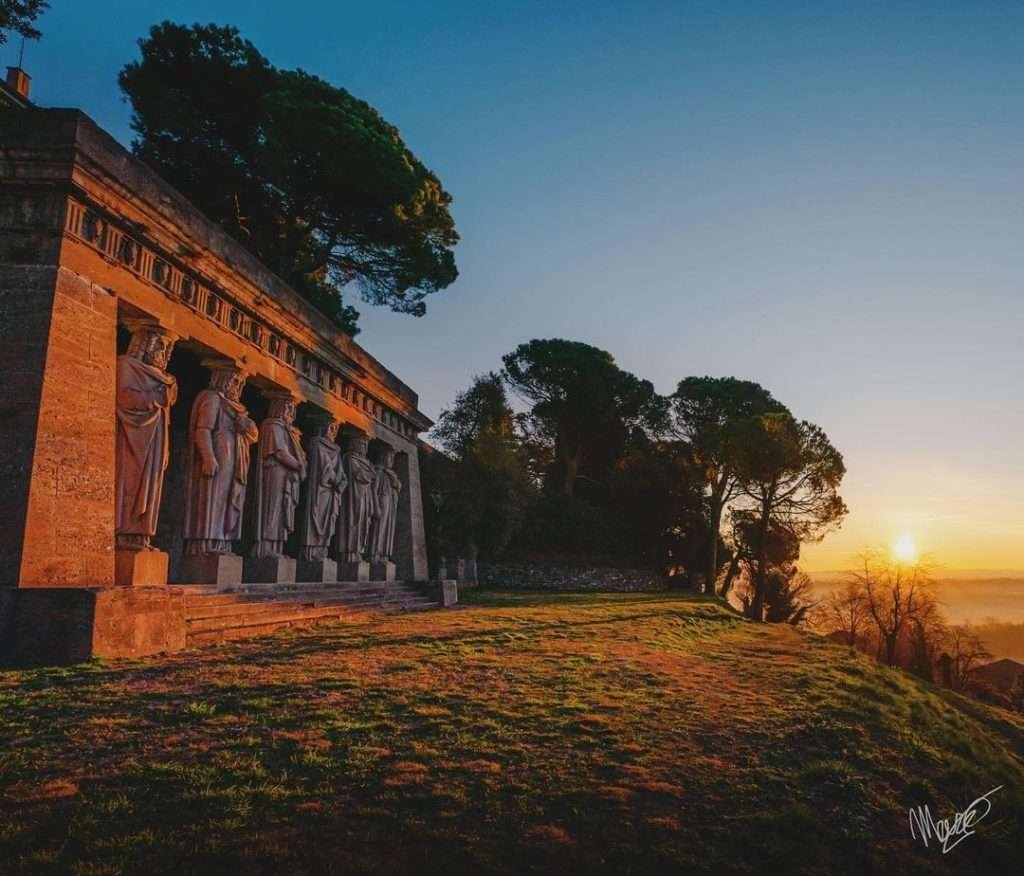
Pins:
x: 950, y: 832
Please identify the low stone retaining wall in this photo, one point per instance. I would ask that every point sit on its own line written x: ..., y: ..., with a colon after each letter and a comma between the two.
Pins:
x: 539, y: 576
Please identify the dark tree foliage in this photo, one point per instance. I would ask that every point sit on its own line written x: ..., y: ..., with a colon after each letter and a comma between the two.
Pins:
x: 712, y: 415
x: 585, y: 401
x: 790, y: 475
x: 659, y: 509
x: 479, y: 485
x: 595, y: 474
x: 19, y: 16
x: 482, y: 407
x: 787, y: 596
x: 308, y: 177
x: 559, y: 528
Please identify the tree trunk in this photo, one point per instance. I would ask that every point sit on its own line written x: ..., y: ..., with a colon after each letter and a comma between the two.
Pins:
x: 890, y: 649
x: 692, y: 581
x: 711, y: 571
x: 730, y: 575
x: 568, y: 451
x: 572, y: 467
x: 760, y: 570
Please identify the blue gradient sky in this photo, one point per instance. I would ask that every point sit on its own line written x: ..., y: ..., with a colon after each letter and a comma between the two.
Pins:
x: 827, y: 198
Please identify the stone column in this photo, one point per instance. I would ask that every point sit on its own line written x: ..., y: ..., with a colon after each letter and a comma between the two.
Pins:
x: 410, y: 549
x: 220, y: 436
x: 321, y: 502
x: 280, y: 471
x: 145, y: 393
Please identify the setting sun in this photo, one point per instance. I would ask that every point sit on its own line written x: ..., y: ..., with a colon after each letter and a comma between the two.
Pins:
x: 904, y: 549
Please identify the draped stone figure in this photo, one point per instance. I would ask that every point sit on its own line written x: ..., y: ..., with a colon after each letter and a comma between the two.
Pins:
x: 220, y: 434
x: 324, y: 488
x: 386, y: 486
x: 281, y: 470
x: 360, y: 504
x: 145, y: 393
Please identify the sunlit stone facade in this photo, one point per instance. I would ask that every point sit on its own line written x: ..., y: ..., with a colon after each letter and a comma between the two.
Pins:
x: 163, y: 395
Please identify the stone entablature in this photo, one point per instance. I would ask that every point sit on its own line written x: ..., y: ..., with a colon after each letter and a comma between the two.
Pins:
x: 94, y: 249
x: 162, y: 271
x: 137, y: 223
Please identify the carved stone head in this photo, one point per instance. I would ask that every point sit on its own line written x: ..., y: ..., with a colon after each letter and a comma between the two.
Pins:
x: 226, y: 380
x: 358, y: 445
x: 282, y: 406
x: 150, y: 343
x: 387, y: 458
x: 331, y: 430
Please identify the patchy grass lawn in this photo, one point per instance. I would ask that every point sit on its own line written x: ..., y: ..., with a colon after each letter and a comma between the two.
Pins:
x: 555, y: 733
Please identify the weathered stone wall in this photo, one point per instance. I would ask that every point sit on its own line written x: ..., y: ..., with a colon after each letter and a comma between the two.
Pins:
x: 540, y: 576
x: 57, y: 437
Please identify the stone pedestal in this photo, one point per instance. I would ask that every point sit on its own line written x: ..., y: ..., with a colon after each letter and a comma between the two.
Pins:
x: 354, y: 571
x: 43, y: 626
x: 321, y: 571
x: 382, y: 570
x: 447, y: 592
x: 146, y: 568
x: 270, y: 570
x: 220, y: 570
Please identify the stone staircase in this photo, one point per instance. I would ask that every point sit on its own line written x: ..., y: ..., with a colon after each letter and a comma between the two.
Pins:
x: 213, y: 616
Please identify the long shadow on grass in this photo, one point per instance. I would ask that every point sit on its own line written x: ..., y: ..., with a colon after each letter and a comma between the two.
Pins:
x: 340, y: 637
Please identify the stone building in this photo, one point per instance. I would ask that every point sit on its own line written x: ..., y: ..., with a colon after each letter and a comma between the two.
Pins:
x: 124, y: 469
x: 14, y: 90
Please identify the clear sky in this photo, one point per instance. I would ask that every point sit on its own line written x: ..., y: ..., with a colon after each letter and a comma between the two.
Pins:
x: 827, y: 198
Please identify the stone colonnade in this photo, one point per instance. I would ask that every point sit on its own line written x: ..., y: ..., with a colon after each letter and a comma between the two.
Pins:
x: 151, y: 368
x: 337, y: 504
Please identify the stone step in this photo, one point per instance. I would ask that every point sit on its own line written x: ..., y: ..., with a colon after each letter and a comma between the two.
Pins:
x: 269, y: 591
x: 194, y: 589
x: 271, y: 613
x: 222, y: 599
x: 261, y: 609
x: 255, y: 606
x: 289, y: 594
x: 215, y: 635
x: 210, y: 609
x: 208, y: 633
x: 296, y: 586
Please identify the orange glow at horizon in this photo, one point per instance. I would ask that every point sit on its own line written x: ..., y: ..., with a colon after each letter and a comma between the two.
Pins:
x: 957, y: 521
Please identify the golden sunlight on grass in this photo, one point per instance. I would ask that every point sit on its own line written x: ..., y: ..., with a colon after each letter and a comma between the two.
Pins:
x: 904, y: 549
x: 522, y: 733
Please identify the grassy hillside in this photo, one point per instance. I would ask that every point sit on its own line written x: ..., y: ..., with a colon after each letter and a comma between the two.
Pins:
x: 633, y: 734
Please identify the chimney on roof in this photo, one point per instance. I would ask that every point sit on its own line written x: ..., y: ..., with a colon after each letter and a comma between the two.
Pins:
x: 18, y: 81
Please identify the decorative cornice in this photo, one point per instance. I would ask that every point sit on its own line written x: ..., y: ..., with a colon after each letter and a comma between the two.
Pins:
x: 107, y: 235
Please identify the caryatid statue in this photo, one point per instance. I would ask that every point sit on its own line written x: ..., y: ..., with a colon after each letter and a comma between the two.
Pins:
x: 324, y: 489
x: 145, y: 393
x: 360, y: 504
x: 220, y: 434
x: 281, y: 470
x: 387, y: 486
